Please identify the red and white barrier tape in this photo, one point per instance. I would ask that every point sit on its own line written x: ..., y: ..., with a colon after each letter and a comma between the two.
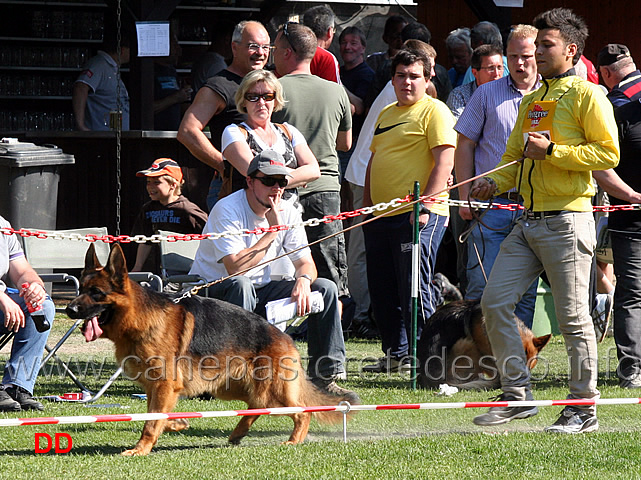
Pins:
x: 397, y: 202
x: 139, y: 417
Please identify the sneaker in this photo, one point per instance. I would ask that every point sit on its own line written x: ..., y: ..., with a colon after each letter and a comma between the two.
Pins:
x: 573, y: 420
x: 631, y: 381
x: 24, y: 398
x: 500, y: 415
x: 601, y: 315
x: 449, y: 292
x: 8, y: 404
x: 388, y: 364
x: 330, y: 386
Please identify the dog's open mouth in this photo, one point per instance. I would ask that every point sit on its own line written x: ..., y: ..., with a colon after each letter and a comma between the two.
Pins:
x: 92, y: 329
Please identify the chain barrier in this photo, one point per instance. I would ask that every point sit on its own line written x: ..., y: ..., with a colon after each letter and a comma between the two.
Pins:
x: 312, y: 222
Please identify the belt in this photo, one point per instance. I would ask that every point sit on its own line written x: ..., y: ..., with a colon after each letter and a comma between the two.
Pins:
x: 512, y: 196
x: 530, y: 215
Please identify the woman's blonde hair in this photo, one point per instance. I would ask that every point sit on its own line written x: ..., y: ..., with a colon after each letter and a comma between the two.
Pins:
x: 251, y: 79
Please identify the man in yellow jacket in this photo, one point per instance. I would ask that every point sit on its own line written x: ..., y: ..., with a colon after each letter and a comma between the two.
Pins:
x: 565, y: 129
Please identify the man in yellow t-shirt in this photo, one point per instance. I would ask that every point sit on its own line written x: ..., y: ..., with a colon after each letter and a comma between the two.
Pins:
x: 414, y: 140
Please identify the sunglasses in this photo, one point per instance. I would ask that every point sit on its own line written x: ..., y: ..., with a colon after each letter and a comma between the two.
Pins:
x: 271, y: 181
x: 286, y: 33
x: 254, y: 97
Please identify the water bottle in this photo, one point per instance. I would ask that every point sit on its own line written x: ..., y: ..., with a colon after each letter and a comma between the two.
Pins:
x: 37, y: 314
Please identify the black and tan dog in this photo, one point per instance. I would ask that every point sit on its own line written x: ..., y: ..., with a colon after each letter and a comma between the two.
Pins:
x: 454, y: 348
x: 192, y: 347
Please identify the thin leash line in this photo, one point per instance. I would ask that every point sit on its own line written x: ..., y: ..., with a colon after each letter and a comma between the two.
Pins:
x: 194, y: 290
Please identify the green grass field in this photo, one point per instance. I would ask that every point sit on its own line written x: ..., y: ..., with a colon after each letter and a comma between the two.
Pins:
x: 381, y: 445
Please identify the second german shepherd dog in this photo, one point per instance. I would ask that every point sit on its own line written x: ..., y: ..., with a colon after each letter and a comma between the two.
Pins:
x: 192, y: 347
x: 454, y: 348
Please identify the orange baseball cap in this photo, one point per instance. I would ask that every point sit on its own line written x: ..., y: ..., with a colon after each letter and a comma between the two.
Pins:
x: 163, y: 166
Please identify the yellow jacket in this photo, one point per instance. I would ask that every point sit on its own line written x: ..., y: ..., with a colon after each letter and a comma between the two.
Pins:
x: 585, y: 136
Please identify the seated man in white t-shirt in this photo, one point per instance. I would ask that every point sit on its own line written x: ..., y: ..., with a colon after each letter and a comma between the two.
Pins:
x: 258, y: 206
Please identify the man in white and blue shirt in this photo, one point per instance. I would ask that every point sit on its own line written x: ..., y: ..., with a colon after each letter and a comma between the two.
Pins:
x: 483, y: 128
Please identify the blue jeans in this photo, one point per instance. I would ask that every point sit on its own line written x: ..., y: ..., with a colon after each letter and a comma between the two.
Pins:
x: 28, y: 345
x: 388, y: 250
x: 488, y: 243
x: 626, y: 250
x: 326, y: 348
x: 329, y: 256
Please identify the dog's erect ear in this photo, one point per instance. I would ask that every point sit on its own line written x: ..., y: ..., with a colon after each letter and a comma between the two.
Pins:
x: 91, y: 259
x: 117, y: 265
x: 540, y: 342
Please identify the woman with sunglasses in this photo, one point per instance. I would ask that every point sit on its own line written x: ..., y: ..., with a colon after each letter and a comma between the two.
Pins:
x: 260, y: 93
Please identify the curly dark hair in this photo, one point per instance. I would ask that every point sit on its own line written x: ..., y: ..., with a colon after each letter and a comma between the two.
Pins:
x: 572, y: 28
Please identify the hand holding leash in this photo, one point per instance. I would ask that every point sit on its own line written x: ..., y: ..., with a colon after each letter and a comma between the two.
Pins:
x: 536, y: 146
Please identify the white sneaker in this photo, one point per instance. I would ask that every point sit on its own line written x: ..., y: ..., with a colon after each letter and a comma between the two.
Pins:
x: 601, y: 315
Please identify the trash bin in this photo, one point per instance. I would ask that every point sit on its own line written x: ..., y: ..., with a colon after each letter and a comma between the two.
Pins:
x: 29, y: 176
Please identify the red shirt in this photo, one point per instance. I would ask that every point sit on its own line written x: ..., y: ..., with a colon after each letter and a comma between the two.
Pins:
x: 325, y: 65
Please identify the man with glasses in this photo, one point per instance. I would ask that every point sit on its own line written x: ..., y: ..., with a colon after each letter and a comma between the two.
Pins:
x: 487, y: 65
x: 483, y: 130
x: 214, y: 104
x: 260, y: 205
x: 321, y: 111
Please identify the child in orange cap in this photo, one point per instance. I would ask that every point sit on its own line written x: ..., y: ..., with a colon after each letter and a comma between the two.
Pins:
x: 167, y: 210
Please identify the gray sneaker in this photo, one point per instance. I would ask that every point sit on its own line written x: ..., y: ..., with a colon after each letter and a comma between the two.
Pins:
x: 500, y: 415
x: 331, y: 387
x: 601, y: 315
x: 631, y: 381
x: 573, y: 420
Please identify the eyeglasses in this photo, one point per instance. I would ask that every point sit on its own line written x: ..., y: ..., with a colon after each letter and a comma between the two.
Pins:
x: 286, y: 34
x: 271, y: 181
x: 255, y: 47
x: 254, y: 97
x: 496, y: 68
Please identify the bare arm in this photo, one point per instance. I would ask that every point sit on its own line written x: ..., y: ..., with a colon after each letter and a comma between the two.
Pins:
x: 249, y: 257
x: 356, y: 102
x: 307, y: 170
x: 464, y: 165
x: 190, y: 133
x: 79, y: 103
x: 443, y: 165
x: 344, y: 140
x: 21, y: 272
x: 142, y: 253
x: 614, y: 185
x: 367, y: 196
x: 302, y: 287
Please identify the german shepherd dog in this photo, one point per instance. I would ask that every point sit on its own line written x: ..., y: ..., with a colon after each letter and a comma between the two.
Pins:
x: 454, y: 348
x: 196, y: 346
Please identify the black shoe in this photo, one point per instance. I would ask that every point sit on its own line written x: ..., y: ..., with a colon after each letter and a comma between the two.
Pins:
x: 24, y: 398
x: 364, y: 329
x: 500, y: 415
x: 8, y: 404
x: 573, y: 420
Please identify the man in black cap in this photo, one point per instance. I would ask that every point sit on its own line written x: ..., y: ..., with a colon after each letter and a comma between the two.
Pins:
x: 247, y: 257
x: 619, y: 74
x: 623, y: 185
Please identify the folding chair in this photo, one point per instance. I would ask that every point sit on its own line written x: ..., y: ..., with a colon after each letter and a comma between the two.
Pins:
x: 176, y: 259
x: 46, y: 254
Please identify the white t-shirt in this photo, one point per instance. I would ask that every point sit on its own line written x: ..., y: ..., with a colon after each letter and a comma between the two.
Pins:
x: 357, y: 166
x: 233, y: 134
x: 233, y: 214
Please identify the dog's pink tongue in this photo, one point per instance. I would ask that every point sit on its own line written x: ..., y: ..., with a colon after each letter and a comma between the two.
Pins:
x: 92, y: 330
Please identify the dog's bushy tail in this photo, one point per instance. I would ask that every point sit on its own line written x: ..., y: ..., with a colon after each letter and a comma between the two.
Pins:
x: 314, y: 396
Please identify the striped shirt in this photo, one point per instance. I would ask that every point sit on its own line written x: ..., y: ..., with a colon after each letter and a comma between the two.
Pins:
x: 488, y: 120
x: 459, y: 97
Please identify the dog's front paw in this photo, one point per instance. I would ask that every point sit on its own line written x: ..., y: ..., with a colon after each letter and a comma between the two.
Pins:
x: 176, y: 425
x: 136, y: 452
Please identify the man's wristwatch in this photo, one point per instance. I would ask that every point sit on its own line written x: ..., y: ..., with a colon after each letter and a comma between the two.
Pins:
x: 308, y: 277
x: 423, y: 210
x: 550, y: 148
